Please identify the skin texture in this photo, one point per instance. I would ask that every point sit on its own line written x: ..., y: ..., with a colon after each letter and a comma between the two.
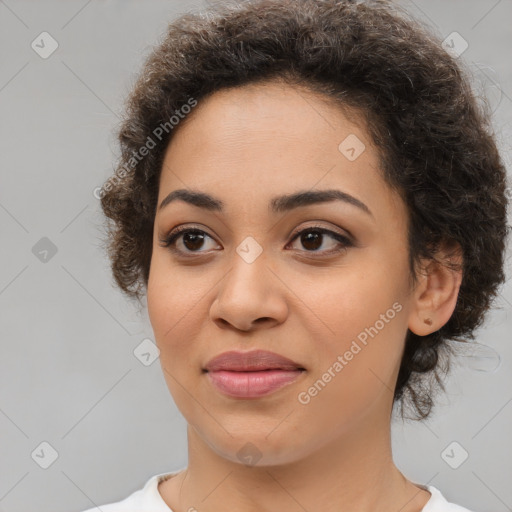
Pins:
x: 245, y: 146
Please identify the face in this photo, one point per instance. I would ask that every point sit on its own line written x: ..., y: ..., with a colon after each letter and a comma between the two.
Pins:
x: 324, y: 284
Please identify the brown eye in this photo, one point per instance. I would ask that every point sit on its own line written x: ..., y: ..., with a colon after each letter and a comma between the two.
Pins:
x: 193, y: 240
x: 313, y: 238
x: 188, y: 241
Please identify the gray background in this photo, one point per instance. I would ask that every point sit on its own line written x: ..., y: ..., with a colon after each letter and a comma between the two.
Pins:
x: 68, y: 373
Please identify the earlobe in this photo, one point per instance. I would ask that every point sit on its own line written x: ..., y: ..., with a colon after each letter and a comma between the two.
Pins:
x: 435, y: 295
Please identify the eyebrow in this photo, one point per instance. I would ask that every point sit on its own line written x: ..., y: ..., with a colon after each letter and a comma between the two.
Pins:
x: 277, y: 204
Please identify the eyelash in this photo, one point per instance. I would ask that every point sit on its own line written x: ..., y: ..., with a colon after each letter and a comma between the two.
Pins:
x: 169, y: 241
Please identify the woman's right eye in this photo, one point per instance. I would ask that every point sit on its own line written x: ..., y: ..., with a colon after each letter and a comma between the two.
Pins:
x: 191, y: 238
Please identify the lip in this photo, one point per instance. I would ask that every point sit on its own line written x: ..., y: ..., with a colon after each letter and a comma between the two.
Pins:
x: 251, y: 374
x: 254, y: 360
x: 252, y: 384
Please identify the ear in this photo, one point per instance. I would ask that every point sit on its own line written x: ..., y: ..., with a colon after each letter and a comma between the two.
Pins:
x: 436, y: 292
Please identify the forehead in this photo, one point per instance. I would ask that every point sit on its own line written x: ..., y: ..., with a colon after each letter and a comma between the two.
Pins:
x: 271, y: 138
x: 274, y: 113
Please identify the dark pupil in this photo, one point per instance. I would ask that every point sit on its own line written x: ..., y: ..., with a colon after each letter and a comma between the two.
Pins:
x: 195, y: 238
x: 311, y: 236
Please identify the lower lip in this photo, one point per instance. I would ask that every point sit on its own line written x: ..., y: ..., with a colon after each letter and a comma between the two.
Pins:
x: 252, y: 384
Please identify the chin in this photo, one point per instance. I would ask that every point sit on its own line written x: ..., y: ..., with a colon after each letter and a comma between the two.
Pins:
x: 250, y: 448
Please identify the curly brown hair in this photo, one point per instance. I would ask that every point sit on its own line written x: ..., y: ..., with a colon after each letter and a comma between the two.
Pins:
x: 435, y: 140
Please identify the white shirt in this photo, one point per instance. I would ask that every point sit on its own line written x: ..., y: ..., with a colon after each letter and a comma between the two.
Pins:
x: 149, y: 499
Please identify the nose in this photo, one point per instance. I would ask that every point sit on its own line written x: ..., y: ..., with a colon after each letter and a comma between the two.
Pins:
x: 250, y: 296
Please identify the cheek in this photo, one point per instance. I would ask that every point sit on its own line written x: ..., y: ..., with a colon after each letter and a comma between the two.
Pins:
x: 168, y: 304
x: 353, y: 299
x: 172, y: 294
x: 173, y: 315
x: 177, y: 302
x: 364, y: 323
x: 357, y: 366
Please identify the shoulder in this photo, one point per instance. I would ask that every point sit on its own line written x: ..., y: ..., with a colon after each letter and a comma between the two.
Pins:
x: 147, y: 499
x: 438, y: 503
x: 128, y: 504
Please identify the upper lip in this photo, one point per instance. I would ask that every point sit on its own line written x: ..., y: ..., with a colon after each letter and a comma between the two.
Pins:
x: 255, y: 360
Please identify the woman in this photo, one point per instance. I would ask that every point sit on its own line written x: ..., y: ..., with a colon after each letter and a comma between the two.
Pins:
x: 310, y: 199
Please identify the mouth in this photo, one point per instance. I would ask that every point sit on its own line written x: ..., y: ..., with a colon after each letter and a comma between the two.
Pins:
x: 252, y: 384
x: 254, y: 369
x: 253, y: 361
x: 251, y: 374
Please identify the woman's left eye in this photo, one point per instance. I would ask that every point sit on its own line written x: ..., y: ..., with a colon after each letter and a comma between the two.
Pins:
x: 312, y: 238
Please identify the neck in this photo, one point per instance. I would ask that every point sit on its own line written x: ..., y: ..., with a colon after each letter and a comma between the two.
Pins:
x: 353, y: 471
